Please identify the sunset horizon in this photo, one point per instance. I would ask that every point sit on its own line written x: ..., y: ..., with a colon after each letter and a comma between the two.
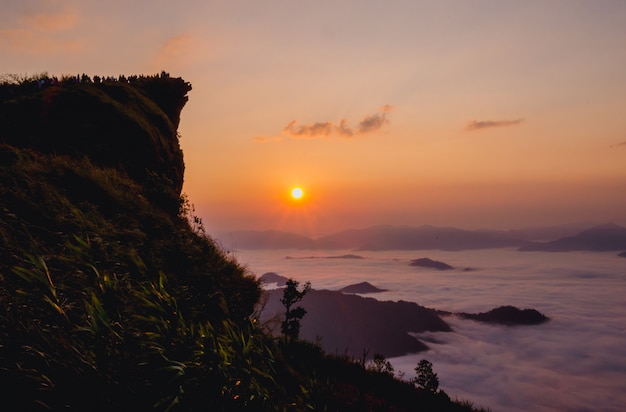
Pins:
x: 476, y: 116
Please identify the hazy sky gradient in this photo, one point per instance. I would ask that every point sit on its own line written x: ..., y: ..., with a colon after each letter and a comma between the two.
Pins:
x: 466, y: 113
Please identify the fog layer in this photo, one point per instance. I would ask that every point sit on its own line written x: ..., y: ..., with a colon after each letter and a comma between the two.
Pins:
x: 575, y: 362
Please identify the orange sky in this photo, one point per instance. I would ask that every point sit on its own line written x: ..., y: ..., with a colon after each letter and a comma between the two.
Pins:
x: 472, y: 114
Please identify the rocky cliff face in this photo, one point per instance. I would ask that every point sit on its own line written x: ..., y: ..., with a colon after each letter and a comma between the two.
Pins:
x: 127, y: 126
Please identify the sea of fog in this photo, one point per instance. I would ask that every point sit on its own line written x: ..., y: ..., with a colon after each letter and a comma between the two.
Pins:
x: 575, y: 362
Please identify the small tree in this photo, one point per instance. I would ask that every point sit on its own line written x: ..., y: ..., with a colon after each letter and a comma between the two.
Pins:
x: 291, y: 295
x: 380, y: 364
x: 426, y: 378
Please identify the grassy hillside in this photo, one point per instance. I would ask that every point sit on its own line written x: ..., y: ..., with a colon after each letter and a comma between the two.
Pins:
x: 111, y: 296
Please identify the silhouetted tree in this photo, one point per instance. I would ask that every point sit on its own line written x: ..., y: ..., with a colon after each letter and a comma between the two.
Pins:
x: 426, y: 378
x: 291, y: 295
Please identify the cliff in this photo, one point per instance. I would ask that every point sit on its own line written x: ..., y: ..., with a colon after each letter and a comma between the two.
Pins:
x: 130, y: 127
x: 103, y: 280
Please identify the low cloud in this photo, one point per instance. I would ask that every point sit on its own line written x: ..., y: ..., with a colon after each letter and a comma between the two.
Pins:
x: 619, y: 144
x: 485, y: 124
x: 368, y: 124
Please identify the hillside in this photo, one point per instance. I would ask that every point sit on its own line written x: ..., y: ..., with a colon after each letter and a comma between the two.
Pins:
x: 348, y: 324
x: 111, y: 295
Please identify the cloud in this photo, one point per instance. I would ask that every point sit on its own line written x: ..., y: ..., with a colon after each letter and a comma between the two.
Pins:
x: 316, y: 129
x: 369, y: 124
x: 178, y: 52
x: 42, y: 33
x: 373, y: 122
x: 619, y: 144
x: 485, y: 124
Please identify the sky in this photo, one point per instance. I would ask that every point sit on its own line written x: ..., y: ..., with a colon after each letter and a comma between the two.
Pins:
x: 475, y: 114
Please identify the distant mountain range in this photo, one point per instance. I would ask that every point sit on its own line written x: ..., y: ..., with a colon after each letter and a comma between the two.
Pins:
x: 608, y: 237
x: 605, y: 237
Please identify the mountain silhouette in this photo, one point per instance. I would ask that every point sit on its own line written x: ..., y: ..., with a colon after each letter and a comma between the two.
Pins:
x: 267, y: 239
x: 607, y: 237
x: 508, y: 315
x: 429, y: 263
x: 363, y: 287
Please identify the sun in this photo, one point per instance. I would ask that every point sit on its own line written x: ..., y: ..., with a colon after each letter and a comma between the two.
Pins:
x: 297, y: 193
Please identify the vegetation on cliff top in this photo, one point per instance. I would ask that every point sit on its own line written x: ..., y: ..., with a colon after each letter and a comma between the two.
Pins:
x: 111, y: 295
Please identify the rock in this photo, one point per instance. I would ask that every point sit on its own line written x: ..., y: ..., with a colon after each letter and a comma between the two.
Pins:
x: 429, y: 263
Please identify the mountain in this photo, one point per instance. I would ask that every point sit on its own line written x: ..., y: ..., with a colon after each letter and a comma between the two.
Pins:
x: 387, y: 237
x: 362, y: 288
x: 415, y: 238
x: 101, y: 273
x: 373, y: 238
x: 547, y: 233
x: 112, y: 297
x: 607, y: 237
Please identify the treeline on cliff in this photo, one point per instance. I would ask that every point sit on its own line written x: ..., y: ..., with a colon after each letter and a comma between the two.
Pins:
x: 111, y: 295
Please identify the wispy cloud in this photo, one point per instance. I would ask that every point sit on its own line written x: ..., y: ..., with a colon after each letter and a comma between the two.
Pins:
x: 485, y: 124
x: 177, y: 52
x: 619, y: 144
x: 368, y: 124
x: 42, y: 33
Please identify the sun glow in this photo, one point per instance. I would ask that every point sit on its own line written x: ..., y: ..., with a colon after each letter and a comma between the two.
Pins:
x: 297, y: 193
